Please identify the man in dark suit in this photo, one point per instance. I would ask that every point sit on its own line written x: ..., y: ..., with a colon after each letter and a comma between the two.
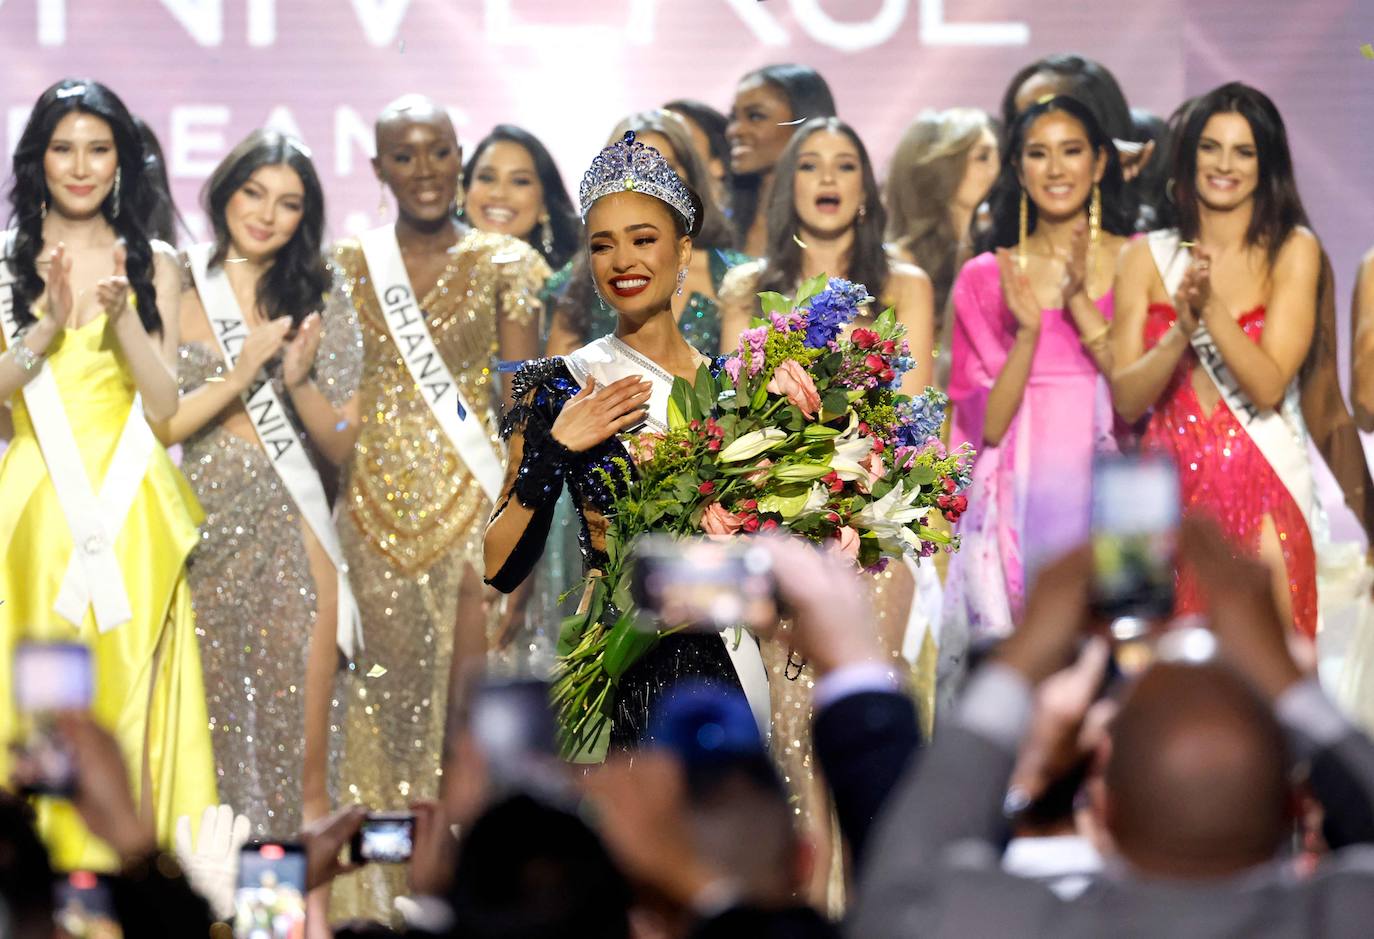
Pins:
x: 1194, y: 795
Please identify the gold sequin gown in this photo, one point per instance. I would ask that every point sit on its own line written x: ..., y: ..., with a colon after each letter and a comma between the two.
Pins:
x: 411, y: 522
x: 251, y: 585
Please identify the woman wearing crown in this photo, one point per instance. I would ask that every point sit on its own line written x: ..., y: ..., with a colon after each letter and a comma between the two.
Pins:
x: 575, y: 415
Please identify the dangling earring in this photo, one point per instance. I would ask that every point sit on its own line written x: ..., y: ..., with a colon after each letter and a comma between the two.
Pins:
x: 863, y: 210
x: 1094, y: 224
x: 381, y: 201
x: 601, y: 301
x: 1022, y: 231
x: 43, y: 209
x: 681, y: 279
x: 460, y: 195
x: 546, y: 235
x: 114, y: 193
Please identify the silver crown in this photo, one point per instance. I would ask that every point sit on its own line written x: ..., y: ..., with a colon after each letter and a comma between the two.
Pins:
x: 630, y: 166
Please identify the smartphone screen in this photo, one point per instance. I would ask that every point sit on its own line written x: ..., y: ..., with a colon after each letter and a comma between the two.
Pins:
x: 514, y: 729
x: 703, y: 583
x: 1135, y: 513
x: 49, y: 677
x: 384, y: 838
x: 270, y: 900
x: 85, y: 907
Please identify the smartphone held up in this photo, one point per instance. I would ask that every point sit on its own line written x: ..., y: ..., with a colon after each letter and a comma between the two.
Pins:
x: 703, y: 583
x: 49, y: 678
x: 270, y: 900
x: 1135, y: 516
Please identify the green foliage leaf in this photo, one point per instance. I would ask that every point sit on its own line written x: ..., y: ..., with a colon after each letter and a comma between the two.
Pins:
x: 772, y: 302
x: 705, y: 391
x: 787, y: 506
x: 625, y: 644
x: 833, y: 404
x: 760, y: 396
x: 811, y: 288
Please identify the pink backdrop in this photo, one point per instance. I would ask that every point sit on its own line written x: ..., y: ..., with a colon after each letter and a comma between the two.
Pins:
x: 205, y: 72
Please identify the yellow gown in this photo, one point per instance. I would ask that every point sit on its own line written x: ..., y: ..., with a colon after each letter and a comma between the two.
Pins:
x: 148, y: 688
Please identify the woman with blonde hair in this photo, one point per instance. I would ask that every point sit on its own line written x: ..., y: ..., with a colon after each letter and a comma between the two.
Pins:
x: 942, y: 170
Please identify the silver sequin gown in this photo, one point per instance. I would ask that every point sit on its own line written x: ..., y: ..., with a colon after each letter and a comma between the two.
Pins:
x: 252, y: 590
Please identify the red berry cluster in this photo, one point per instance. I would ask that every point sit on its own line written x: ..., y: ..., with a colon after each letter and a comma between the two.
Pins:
x: 715, y: 434
x: 951, y: 506
x: 877, y: 347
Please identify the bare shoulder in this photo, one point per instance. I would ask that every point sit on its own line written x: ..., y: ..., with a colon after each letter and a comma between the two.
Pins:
x: 908, y: 275
x: 1302, y: 248
x: 1135, y: 254
x: 166, y: 258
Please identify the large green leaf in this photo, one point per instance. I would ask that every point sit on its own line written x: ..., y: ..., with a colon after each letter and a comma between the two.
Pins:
x: 771, y: 302
x: 625, y: 645
x: 786, y: 506
x: 705, y: 391
x: 685, y: 400
x: 810, y: 288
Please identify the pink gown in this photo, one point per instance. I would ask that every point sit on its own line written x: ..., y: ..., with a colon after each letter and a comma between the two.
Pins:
x: 1224, y: 475
x: 1030, y: 497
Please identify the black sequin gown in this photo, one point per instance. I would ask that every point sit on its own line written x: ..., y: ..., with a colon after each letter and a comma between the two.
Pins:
x: 542, y: 388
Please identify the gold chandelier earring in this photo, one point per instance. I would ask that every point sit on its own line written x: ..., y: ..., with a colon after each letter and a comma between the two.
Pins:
x: 1022, y: 231
x: 1094, y: 224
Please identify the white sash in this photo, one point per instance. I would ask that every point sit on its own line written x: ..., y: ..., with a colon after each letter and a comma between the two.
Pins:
x: 608, y: 360
x: 405, y: 321
x: 278, y: 437
x: 93, y: 577
x: 1280, y: 434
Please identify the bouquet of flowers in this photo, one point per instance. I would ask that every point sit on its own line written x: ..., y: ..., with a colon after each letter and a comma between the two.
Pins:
x: 799, y: 430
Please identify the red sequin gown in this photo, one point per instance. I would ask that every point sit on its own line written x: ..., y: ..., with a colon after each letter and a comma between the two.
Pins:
x: 1225, y: 476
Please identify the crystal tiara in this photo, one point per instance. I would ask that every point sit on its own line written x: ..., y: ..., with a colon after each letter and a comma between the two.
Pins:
x: 630, y: 166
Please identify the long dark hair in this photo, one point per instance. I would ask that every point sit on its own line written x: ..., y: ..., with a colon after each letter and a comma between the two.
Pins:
x: 808, y: 96
x: 135, y: 198
x: 1277, y: 206
x: 711, y: 122
x: 868, y: 262
x: 563, y: 221
x: 1005, y: 199
x: 1079, y: 77
x: 298, y: 277
x: 712, y: 230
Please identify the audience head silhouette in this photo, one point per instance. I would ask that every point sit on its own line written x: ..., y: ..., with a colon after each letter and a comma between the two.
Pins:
x: 1196, y: 783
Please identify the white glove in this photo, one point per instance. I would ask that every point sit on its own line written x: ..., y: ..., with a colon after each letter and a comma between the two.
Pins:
x: 212, y: 865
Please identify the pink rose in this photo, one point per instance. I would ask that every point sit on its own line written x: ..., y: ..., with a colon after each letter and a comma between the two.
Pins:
x: 717, y: 522
x: 875, y: 468
x: 642, y: 446
x: 760, y: 478
x: 847, y: 541
x: 791, y: 379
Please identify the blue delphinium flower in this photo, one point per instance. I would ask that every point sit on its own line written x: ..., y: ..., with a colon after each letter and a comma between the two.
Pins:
x: 832, y: 308
x: 921, y: 418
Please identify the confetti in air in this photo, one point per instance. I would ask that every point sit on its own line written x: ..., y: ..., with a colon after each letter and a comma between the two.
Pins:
x: 800, y: 244
x: 506, y: 257
x: 376, y: 671
x: 401, y: 47
x: 800, y: 120
x: 341, y: 426
x: 1367, y: 50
